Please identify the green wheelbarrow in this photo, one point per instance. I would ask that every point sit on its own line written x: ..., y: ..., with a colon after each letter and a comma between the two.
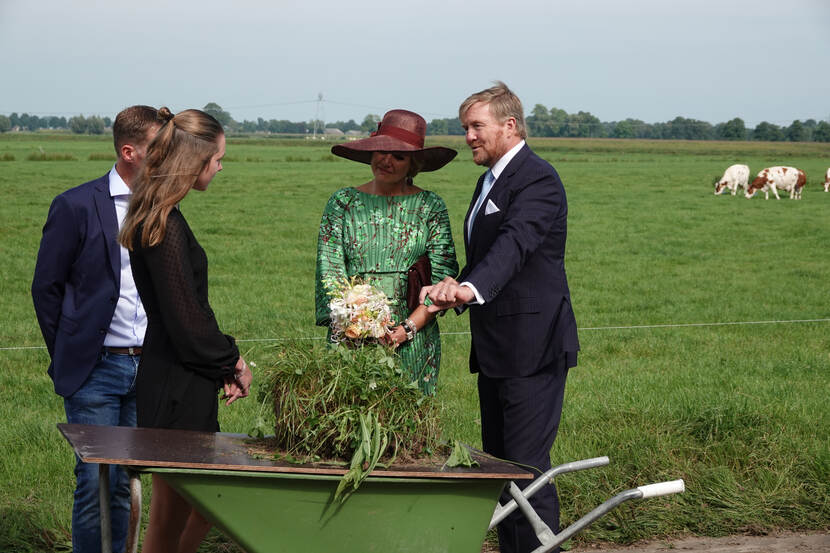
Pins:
x: 271, y: 506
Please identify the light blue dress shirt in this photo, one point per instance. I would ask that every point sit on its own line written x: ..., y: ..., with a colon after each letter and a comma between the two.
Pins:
x: 129, y: 322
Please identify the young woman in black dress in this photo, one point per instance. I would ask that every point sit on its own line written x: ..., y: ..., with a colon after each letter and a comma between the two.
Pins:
x: 186, y: 358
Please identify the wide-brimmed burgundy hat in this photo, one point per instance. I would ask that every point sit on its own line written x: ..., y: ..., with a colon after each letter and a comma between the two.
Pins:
x: 399, y: 131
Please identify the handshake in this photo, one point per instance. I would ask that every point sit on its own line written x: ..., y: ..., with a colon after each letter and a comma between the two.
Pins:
x: 447, y: 294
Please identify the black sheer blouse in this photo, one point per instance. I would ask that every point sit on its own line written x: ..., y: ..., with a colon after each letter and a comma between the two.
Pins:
x: 185, y: 356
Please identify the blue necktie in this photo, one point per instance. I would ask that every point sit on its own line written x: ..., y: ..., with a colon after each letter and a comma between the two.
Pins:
x: 485, y: 189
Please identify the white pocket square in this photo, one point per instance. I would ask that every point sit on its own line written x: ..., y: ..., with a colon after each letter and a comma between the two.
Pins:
x: 491, y: 208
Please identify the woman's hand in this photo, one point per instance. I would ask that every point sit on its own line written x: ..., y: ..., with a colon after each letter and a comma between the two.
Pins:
x: 239, y: 385
x: 395, y: 337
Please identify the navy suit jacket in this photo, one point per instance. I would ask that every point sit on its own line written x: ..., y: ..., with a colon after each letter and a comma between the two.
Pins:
x: 516, y: 261
x: 77, y: 279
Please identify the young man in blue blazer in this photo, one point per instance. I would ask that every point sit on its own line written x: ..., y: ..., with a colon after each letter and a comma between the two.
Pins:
x: 91, y: 316
x: 524, y: 335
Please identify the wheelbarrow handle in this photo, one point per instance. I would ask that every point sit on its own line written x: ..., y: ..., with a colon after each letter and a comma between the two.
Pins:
x: 662, y: 488
x: 542, y: 481
x: 547, y: 538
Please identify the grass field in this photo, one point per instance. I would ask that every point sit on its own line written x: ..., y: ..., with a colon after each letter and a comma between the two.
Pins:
x: 738, y: 411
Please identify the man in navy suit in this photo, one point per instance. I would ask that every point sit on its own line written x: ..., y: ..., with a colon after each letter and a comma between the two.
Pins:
x: 524, y: 336
x: 91, y: 316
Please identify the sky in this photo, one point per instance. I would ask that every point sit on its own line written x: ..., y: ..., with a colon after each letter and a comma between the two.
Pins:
x: 653, y: 60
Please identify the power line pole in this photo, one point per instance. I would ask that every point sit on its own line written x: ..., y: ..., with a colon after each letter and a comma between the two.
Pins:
x: 319, y: 113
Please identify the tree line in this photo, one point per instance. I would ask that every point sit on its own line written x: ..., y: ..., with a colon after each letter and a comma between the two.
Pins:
x: 369, y: 124
x: 553, y: 122
x: 559, y: 123
x: 77, y: 124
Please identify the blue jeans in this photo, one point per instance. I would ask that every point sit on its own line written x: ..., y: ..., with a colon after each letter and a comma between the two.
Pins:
x: 107, y: 398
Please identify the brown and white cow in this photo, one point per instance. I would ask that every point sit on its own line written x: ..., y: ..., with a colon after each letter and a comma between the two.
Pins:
x: 735, y: 176
x: 778, y: 178
x: 827, y: 181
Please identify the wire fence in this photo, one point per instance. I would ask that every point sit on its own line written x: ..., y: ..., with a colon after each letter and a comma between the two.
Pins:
x: 580, y: 329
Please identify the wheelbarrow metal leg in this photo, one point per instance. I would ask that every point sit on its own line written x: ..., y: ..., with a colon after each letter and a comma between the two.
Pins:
x: 135, y: 509
x: 589, y: 519
x: 542, y: 530
x: 135, y: 512
x: 104, y: 507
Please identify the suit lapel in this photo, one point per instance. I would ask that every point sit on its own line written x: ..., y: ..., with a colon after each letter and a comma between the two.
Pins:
x: 502, y: 183
x: 105, y: 207
x: 516, y: 162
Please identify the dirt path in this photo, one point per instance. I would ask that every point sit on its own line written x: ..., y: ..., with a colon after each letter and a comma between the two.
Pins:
x: 785, y: 542
x: 778, y: 543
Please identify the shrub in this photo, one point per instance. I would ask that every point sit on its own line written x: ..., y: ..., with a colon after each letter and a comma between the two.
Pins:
x: 102, y: 156
x: 319, y: 394
x: 339, y: 403
x: 44, y: 156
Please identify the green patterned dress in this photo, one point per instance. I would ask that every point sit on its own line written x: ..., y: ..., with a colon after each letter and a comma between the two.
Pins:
x: 378, y: 238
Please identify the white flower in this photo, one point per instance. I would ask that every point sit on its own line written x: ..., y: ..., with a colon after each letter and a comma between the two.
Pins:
x: 358, y: 311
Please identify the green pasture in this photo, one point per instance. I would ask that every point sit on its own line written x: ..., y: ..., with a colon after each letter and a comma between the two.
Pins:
x: 737, y: 410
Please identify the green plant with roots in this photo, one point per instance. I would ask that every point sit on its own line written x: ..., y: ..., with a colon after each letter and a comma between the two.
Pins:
x: 367, y: 453
x: 347, y: 405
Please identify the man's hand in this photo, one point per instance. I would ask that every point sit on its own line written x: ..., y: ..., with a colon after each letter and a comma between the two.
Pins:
x: 446, y: 295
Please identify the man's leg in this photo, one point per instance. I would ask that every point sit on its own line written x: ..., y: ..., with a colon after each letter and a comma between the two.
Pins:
x: 120, y: 503
x: 492, y: 418
x: 106, y: 398
x: 529, y: 410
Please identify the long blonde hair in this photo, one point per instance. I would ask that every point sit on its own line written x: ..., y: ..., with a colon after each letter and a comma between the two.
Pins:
x: 176, y: 156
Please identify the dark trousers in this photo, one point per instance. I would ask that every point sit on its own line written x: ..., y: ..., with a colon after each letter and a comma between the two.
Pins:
x: 519, y: 420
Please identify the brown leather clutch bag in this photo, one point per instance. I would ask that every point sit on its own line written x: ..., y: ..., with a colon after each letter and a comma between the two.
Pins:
x: 417, y: 276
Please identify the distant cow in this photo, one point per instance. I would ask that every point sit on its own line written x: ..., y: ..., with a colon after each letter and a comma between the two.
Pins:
x: 735, y: 176
x: 778, y: 178
x: 827, y: 181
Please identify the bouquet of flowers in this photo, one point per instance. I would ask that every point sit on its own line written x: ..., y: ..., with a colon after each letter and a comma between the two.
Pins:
x: 359, y: 312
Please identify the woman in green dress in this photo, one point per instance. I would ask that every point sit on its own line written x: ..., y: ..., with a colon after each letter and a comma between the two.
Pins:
x: 378, y: 230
